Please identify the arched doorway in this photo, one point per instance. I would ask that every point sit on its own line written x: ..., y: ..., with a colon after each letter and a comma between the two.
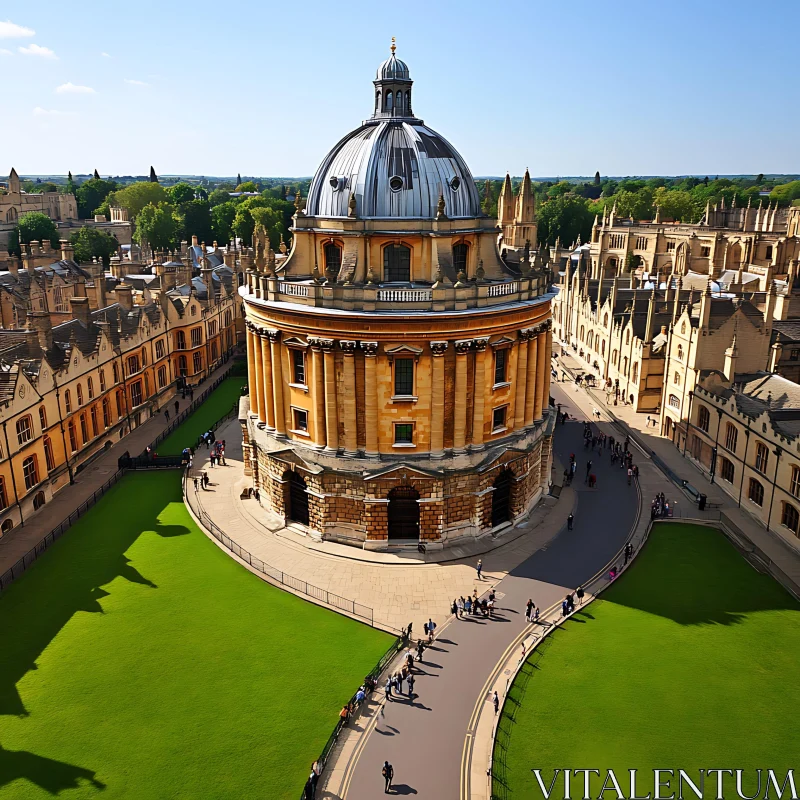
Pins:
x: 403, y: 513
x: 501, y: 498
x: 38, y: 501
x: 6, y: 526
x: 296, y: 498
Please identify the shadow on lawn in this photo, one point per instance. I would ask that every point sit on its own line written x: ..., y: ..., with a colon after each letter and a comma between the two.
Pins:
x: 70, y: 576
x: 47, y: 773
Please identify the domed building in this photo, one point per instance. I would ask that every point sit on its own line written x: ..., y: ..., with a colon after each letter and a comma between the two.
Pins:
x: 398, y: 366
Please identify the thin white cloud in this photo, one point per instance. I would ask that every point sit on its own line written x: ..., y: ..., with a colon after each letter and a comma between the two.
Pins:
x: 9, y: 30
x: 71, y: 88
x: 38, y: 50
x: 51, y: 112
x: 4, y: 52
x: 105, y: 55
x: 136, y: 83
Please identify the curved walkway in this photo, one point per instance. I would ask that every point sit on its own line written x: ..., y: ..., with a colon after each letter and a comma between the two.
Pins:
x: 425, y: 739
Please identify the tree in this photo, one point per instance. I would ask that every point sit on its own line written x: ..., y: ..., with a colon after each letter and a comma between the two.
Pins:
x: 786, y: 192
x: 238, y: 178
x: 597, y: 179
x: 91, y: 194
x: 153, y: 176
x: 566, y: 216
x: 157, y: 225
x: 636, y: 204
x: 32, y: 227
x: 247, y: 186
x: 71, y: 188
x: 218, y: 197
x: 180, y: 193
x: 675, y: 204
x: 195, y: 220
x: 93, y: 243
x: 136, y: 196
x: 222, y: 217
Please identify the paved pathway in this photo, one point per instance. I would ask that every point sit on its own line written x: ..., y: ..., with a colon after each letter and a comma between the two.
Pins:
x: 424, y: 739
x: 399, y: 588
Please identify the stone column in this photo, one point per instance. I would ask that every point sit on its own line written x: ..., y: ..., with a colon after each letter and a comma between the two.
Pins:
x: 547, y: 365
x: 277, y: 382
x: 371, y: 396
x: 541, y: 371
x: 530, y: 384
x: 251, y: 369
x: 350, y: 410
x: 319, y: 392
x: 522, y: 380
x: 438, y: 350
x: 479, y: 392
x: 269, y: 399
x: 260, y: 408
x: 331, y: 411
x: 460, y: 405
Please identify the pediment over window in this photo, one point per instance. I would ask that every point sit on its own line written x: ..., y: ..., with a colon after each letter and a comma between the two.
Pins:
x: 294, y: 341
x: 503, y: 342
x: 403, y: 351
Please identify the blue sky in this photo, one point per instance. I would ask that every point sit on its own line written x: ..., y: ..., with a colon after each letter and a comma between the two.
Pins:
x: 265, y: 88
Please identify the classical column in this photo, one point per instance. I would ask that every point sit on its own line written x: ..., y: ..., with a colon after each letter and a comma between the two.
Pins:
x: 522, y: 379
x: 350, y: 410
x: 251, y: 368
x: 277, y: 381
x: 259, y: 375
x: 371, y: 396
x: 547, y: 364
x: 269, y: 400
x: 460, y: 405
x: 318, y: 378
x: 438, y: 350
x: 479, y: 392
x: 331, y: 411
x: 541, y: 362
x: 530, y: 384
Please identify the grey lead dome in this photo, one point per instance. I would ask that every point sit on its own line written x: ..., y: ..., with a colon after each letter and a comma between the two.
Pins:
x: 394, y: 164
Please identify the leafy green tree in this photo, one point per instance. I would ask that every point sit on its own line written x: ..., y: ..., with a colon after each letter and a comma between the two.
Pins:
x: 157, y: 225
x: 93, y: 243
x: 636, y: 204
x: 218, y: 197
x: 247, y: 186
x: 786, y: 192
x: 71, y: 188
x: 597, y: 179
x: 222, y: 217
x: 136, y: 196
x: 565, y: 216
x: 675, y: 204
x: 180, y: 193
x: 195, y: 218
x: 91, y: 194
x: 32, y: 227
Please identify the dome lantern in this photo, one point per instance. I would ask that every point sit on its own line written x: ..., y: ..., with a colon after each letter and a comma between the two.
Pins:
x: 393, y: 88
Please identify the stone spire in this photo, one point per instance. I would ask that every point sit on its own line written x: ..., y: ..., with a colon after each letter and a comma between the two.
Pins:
x: 526, y: 202
x: 505, y: 203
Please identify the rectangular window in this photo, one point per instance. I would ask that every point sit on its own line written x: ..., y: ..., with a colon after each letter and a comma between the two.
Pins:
x: 180, y: 340
x: 30, y: 472
x: 794, y: 487
x: 119, y: 404
x: 136, y: 393
x: 197, y: 337
x: 404, y: 377
x: 84, y: 429
x: 499, y: 419
x: 404, y: 433
x: 24, y: 429
x: 68, y: 401
x: 300, y: 419
x: 641, y: 243
x: 106, y: 413
x: 762, y: 457
x: 212, y: 329
x: 90, y: 387
x: 197, y: 361
x: 73, y: 439
x: 670, y: 247
x: 102, y: 380
x: 48, y: 454
x: 299, y: 367
x: 133, y: 365
x: 703, y: 418
x: 162, y: 377
x: 500, y: 364
x: 756, y: 492
x: 43, y: 418
x: 727, y: 470
x: 705, y: 252
x: 160, y: 349
x: 95, y: 430
x: 794, y: 354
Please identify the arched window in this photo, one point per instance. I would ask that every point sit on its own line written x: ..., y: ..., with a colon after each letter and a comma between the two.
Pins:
x: 790, y: 518
x: 38, y: 501
x: 731, y: 436
x: 68, y: 401
x: 399, y: 102
x: 408, y: 102
x: 603, y: 347
x: 460, y: 253
x: 755, y: 492
x: 180, y: 340
x: 674, y: 401
x: 676, y: 379
x: 614, y: 358
x: 683, y: 326
x: 43, y: 418
x: 116, y: 372
x: 605, y: 321
x: 11, y: 216
x: 703, y: 418
x: 625, y: 365
x: 589, y: 339
x: 680, y: 352
x: 30, y: 471
x: 762, y: 457
x: 396, y: 263
x: 627, y: 337
x: 182, y: 368
x: 106, y: 413
x: 389, y: 101
x: 636, y: 372
x: 333, y: 257
x: 79, y: 391
x: 90, y: 388
x: 583, y: 334
x: 48, y: 454
x: 377, y: 102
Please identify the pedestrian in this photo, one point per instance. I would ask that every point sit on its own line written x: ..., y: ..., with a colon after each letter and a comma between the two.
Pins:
x: 592, y: 480
x: 191, y: 394
x: 196, y: 484
x: 588, y: 470
x: 490, y: 606
x: 454, y: 609
x: 529, y: 609
x: 399, y: 683
x: 536, y: 615
x: 177, y: 406
x: 630, y: 475
x: 628, y: 552
x: 420, y: 649
x: 564, y: 608
x: 648, y: 421
x: 166, y: 414
x: 388, y: 688
x: 570, y: 521
x: 388, y: 774
x: 431, y: 629
x: 468, y: 605
x: 579, y: 594
x: 496, y: 701
x: 410, y: 687
x: 479, y: 569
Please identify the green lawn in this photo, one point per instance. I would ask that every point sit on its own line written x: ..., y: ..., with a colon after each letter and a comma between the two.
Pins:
x: 216, y: 405
x: 688, y: 662
x: 140, y: 661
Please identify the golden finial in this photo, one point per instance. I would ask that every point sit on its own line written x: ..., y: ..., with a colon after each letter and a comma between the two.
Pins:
x: 394, y: 46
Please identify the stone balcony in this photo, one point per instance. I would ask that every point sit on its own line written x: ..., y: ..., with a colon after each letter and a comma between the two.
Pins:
x: 395, y: 297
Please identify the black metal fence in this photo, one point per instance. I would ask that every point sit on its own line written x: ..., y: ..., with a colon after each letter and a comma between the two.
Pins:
x: 370, y: 679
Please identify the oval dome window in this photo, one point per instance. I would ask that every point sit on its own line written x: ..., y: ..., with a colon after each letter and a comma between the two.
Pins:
x: 396, y: 183
x: 334, y: 182
x: 455, y: 183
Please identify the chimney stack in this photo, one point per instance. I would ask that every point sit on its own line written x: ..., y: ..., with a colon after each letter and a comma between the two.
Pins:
x: 124, y: 292
x: 80, y: 310
x: 67, y: 251
x: 40, y: 322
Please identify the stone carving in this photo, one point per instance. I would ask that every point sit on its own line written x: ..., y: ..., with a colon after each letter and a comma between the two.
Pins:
x: 348, y: 347
x: 438, y: 348
x: 463, y: 347
x: 274, y: 336
x: 370, y: 348
x: 326, y: 344
x: 480, y: 344
x: 524, y: 335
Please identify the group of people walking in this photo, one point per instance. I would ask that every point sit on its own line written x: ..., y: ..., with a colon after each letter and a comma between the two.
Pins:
x: 474, y: 605
x: 660, y: 507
